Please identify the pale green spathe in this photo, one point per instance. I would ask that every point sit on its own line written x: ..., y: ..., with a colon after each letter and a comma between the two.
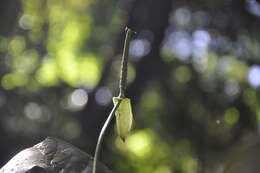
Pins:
x: 124, y: 117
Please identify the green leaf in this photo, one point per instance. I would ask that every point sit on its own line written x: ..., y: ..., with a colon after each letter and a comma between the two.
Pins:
x: 124, y: 117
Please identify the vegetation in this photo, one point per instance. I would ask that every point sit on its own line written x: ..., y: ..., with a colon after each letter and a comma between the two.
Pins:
x: 193, y: 78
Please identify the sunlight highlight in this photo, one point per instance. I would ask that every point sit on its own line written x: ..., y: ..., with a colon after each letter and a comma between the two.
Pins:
x: 140, y: 143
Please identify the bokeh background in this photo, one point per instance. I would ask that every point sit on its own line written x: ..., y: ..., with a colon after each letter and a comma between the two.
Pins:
x: 194, y: 78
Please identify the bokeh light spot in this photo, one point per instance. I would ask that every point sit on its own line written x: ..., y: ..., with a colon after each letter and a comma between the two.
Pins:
x: 103, y: 96
x: 182, y: 74
x: 232, y: 87
x: 79, y: 98
x: 89, y: 67
x: 140, y: 143
x: 13, y: 80
x: 253, y: 7
x: 139, y: 48
x: 183, y: 49
x: 178, y: 43
x: 17, y: 45
x: 151, y: 99
x: 201, y: 39
x: 254, y: 76
x: 47, y: 75
x: 7, y: 82
x: 182, y: 16
x: 33, y: 111
x: 231, y: 116
x: 26, y: 22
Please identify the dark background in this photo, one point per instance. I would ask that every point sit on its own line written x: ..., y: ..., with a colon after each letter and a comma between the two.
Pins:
x: 194, y: 78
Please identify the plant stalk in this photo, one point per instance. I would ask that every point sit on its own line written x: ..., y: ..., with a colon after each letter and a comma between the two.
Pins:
x: 122, y: 86
x: 124, y: 61
x: 101, y: 135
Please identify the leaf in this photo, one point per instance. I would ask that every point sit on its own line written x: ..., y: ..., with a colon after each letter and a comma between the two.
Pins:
x: 124, y: 117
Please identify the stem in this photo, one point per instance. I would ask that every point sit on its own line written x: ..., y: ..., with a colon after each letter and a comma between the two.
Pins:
x: 123, y: 73
x: 102, y: 133
x: 122, y: 86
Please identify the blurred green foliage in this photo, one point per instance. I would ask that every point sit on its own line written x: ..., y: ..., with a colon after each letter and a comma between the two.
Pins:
x: 194, y: 81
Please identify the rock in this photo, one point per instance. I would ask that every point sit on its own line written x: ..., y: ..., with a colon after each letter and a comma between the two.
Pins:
x: 52, y: 156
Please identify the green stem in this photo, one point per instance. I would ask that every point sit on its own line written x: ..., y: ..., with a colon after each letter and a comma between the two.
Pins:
x: 102, y: 133
x: 122, y: 86
x: 123, y: 73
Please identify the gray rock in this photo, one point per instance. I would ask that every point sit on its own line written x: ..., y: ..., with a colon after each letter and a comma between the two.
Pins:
x: 52, y: 156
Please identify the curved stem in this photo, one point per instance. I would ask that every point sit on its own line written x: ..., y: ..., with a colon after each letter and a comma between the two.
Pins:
x: 101, y: 135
